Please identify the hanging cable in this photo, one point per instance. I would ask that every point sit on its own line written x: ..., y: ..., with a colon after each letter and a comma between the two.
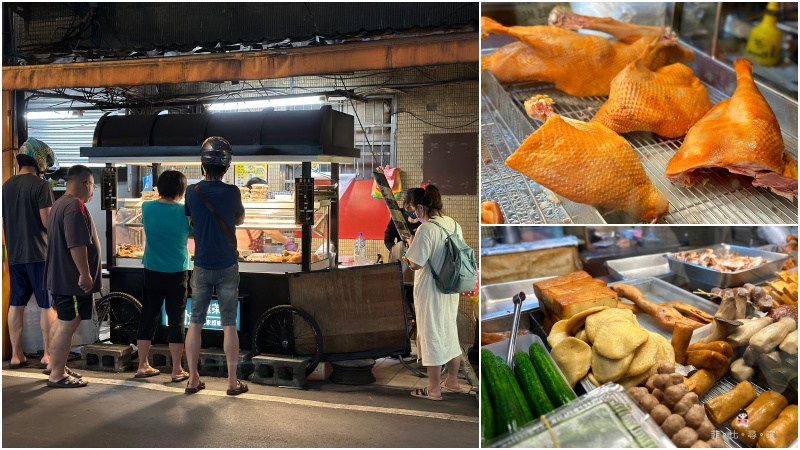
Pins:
x: 355, y: 111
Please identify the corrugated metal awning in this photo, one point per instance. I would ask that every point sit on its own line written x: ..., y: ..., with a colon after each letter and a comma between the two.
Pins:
x: 64, y: 135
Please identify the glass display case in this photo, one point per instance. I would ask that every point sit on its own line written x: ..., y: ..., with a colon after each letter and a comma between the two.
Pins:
x: 268, y: 240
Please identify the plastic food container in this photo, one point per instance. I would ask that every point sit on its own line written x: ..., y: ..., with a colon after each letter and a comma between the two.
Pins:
x: 707, y: 278
x: 605, y: 418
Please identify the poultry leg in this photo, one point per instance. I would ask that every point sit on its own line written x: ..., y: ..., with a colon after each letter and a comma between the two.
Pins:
x: 666, y: 317
x: 626, y: 32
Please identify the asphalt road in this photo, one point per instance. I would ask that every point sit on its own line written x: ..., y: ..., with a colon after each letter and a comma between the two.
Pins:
x: 116, y: 410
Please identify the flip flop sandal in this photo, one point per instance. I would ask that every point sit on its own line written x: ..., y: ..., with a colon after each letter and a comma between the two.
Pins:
x: 69, y: 371
x: 446, y: 388
x: 67, y: 382
x: 19, y: 366
x: 182, y: 377
x: 151, y: 372
x: 240, y: 390
x: 195, y: 390
x: 423, y: 393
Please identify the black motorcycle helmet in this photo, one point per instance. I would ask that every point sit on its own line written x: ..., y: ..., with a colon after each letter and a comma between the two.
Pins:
x: 216, y: 151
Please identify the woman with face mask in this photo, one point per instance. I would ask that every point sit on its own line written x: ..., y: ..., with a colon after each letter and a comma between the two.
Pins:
x: 436, y: 312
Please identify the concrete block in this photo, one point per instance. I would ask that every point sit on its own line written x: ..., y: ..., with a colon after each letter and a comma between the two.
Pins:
x: 357, y: 371
x: 277, y: 370
x: 106, y: 357
x: 160, y: 357
x: 213, y: 363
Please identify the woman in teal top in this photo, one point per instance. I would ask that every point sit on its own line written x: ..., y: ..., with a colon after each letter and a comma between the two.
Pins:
x: 166, y: 264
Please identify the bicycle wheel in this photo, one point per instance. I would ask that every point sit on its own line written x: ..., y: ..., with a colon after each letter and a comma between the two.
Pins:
x: 118, y: 316
x: 286, y: 330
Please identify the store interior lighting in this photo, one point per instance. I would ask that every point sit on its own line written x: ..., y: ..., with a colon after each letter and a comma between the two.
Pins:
x: 52, y: 114
x: 267, y: 103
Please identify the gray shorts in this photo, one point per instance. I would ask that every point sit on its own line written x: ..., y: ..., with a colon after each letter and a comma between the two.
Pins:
x: 226, y: 282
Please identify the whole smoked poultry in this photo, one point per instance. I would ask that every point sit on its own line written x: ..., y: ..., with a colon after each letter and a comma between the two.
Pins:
x: 666, y: 317
x: 664, y: 100
x: 578, y: 64
x: 586, y: 163
x: 741, y: 135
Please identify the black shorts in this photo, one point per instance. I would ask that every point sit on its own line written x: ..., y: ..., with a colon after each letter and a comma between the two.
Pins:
x: 68, y: 307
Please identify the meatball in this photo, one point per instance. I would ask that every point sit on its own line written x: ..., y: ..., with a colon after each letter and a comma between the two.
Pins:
x: 672, y: 424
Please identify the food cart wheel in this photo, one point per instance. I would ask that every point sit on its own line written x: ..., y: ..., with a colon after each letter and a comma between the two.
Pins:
x: 286, y: 330
x: 118, y: 317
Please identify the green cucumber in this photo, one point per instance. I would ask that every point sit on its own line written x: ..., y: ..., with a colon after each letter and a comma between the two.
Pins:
x: 557, y: 389
x: 487, y: 417
x: 515, y: 388
x: 531, y: 386
x: 508, y: 413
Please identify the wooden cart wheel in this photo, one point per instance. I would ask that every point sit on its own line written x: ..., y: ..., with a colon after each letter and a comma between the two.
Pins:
x: 118, y: 316
x: 286, y: 330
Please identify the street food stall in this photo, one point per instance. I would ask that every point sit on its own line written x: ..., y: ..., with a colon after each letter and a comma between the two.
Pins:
x: 290, y: 302
x: 690, y: 347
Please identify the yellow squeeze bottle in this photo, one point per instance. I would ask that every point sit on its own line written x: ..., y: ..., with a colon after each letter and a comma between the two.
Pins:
x: 764, y: 44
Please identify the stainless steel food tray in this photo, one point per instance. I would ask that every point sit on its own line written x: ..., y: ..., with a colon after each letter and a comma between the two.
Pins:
x: 724, y: 199
x: 722, y: 386
x: 659, y: 291
x: 496, y: 299
x: 639, y: 267
x: 707, y: 278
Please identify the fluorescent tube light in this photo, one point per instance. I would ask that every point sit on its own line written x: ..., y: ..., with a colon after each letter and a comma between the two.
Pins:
x: 261, y: 104
x: 47, y: 115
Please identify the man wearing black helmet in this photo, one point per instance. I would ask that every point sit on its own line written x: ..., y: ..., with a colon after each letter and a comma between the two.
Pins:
x: 27, y: 199
x: 214, y: 209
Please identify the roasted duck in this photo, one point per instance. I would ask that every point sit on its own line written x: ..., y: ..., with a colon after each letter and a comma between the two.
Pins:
x: 741, y: 135
x: 578, y: 64
x: 664, y: 100
x: 667, y: 317
x: 586, y: 163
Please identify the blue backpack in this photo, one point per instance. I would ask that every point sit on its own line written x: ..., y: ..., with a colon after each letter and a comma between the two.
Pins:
x: 459, y: 271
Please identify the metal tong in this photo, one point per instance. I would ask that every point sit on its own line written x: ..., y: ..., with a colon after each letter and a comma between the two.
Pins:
x: 512, y: 340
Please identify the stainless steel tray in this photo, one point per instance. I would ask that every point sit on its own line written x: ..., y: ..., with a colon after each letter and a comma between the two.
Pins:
x: 523, y: 343
x: 496, y: 299
x: 706, y: 278
x: 722, y: 386
x: 639, y: 267
x: 659, y: 291
x: 727, y: 199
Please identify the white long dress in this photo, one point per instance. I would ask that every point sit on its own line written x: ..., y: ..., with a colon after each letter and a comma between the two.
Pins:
x: 437, y: 331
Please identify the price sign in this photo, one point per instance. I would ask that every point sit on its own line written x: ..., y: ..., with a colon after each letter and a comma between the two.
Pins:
x: 243, y: 172
x: 213, y: 317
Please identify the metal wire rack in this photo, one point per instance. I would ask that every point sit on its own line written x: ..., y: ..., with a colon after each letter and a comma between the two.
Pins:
x: 724, y: 199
